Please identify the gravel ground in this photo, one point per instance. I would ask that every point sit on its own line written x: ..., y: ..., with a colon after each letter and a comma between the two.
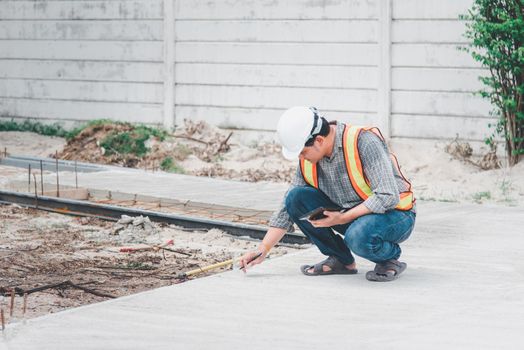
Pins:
x: 82, y: 257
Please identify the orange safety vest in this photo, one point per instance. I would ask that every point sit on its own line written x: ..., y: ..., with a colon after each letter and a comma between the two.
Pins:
x: 358, y: 179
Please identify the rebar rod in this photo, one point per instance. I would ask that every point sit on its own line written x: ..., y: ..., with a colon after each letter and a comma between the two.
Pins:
x: 111, y: 212
x: 29, y: 179
x: 57, y: 180
x: 41, y: 178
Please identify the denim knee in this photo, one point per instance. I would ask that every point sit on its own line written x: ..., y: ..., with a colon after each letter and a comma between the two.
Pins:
x: 360, y: 240
x: 296, y: 200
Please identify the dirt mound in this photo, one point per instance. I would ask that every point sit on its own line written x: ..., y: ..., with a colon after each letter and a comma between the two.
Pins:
x: 197, y: 148
x: 86, y: 147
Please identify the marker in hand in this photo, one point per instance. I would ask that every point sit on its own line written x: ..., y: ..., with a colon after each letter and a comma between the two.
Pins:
x: 253, y: 259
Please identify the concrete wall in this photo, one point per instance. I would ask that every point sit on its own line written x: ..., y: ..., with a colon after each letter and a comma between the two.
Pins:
x: 240, y: 63
x: 82, y: 60
x: 432, y: 81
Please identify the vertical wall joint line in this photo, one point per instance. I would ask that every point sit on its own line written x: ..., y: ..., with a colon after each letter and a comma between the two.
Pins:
x: 384, y: 68
x: 169, y: 64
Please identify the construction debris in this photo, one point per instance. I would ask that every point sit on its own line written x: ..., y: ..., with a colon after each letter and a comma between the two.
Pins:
x: 490, y: 160
x: 464, y: 152
x: 63, y: 262
x: 196, y: 138
x: 196, y: 148
x: 134, y: 229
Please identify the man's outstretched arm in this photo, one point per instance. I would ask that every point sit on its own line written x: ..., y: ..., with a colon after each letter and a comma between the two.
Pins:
x: 272, y: 237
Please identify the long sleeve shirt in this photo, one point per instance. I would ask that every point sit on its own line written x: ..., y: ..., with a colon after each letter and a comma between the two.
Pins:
x: 385, y: 181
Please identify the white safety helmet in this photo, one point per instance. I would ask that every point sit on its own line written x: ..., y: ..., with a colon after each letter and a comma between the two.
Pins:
x: 296, y: 126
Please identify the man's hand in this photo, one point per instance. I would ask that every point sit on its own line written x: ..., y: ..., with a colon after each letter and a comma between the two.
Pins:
x: 250, y: 259
x: 273, y: 235
x: 338, y: 218
x: 333, y: 218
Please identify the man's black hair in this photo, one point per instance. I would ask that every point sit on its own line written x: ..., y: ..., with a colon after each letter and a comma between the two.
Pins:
x: 324, y: 130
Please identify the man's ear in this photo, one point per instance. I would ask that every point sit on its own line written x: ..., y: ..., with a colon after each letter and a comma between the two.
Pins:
x: 320, y: 140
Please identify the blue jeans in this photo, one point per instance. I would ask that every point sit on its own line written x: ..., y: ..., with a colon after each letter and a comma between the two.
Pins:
x: 375, y: 237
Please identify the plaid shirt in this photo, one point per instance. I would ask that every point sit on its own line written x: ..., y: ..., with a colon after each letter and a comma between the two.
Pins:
x: 385, y: 181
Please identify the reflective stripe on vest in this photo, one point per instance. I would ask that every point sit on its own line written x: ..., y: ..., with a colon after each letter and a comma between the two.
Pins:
x: 309, y: 172
x: 354, y: 167
x: 353, y: 163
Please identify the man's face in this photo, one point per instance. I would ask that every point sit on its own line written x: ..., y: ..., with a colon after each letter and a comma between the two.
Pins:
x: 313, y: 153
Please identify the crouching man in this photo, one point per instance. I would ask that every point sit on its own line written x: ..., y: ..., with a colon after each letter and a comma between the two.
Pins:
x: 347, y: 170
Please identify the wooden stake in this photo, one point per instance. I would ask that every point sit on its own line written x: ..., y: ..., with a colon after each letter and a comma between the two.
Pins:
x: 3, y: 318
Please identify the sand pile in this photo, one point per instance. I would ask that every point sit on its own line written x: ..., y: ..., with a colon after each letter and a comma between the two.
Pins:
x: 438, y: 175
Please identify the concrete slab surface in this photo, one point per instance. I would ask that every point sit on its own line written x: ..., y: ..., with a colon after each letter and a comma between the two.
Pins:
x: 257, y: 196
x: 463, y: 289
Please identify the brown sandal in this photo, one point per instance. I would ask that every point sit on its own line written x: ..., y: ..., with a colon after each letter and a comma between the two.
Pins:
x: 337, y: 268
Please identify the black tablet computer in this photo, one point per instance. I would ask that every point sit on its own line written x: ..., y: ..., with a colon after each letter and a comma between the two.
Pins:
x: 318, y: 213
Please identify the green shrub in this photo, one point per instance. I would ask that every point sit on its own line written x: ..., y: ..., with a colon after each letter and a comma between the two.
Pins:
x: 131, y: 142
x: 496, y: 31
x: 479, y: 196
x: 33, y: 126
x: 169, y: 165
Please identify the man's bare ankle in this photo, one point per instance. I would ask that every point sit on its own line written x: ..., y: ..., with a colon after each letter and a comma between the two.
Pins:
x: 351, y: 266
